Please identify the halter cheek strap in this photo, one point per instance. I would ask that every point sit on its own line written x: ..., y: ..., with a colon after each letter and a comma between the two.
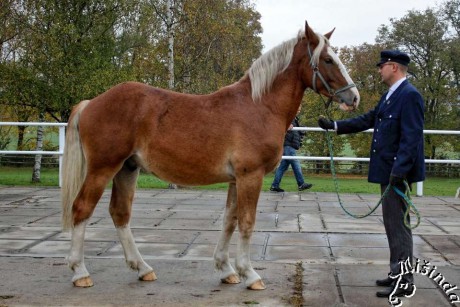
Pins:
x: 317, y: 74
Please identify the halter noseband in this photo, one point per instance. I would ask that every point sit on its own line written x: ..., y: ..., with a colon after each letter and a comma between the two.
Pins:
x: 317, y: 74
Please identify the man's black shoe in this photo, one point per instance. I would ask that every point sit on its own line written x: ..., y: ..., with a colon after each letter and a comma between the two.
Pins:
x: 276, y: 189
x: 386, y: 282
x: 305, y: 186
x: 399, y: 292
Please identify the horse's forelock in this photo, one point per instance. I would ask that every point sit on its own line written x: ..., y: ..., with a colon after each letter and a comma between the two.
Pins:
x: 323, y: 41
x: 265, y: 69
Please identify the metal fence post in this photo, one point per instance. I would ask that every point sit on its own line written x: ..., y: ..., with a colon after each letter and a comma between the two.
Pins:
x: 420, y: 188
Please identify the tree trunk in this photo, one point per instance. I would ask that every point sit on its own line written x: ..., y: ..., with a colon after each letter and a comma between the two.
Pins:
x: 20, y: 144
x: 38, y: 158
x: 170, y: 30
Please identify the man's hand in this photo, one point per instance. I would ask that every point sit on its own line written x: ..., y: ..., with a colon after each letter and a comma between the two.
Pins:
x: 325, y: 123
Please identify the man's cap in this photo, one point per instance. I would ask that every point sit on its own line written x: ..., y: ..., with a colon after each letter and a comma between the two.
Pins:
x: 394, y: 56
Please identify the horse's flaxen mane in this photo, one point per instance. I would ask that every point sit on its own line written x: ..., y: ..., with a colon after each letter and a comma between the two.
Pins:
x: 265, y: 69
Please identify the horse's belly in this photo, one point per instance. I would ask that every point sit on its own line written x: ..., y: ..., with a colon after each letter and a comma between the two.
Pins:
x: 189, y: 171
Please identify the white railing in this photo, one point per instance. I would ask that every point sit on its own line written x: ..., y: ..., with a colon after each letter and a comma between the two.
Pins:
x: 62, y: 126
x: 60, y: 151
x: 447, y: 132
x: 419, y: 191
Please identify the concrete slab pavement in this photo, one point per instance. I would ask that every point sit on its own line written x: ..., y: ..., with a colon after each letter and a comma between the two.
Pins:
x: 307, y: 250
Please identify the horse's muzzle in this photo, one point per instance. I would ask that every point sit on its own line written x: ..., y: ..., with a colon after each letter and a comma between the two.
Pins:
x: 349, y: 100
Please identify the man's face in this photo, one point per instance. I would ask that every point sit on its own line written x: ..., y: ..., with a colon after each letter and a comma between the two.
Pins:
x: 386, y: 72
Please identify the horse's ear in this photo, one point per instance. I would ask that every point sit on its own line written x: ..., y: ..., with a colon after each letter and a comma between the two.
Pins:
x: 328, y: 34
x: 310, y: 34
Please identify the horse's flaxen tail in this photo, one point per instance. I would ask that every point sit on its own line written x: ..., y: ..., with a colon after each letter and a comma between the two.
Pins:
x: 73, y: 166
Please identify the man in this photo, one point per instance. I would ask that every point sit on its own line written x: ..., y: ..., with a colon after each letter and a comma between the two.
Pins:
x: 396, y: 155
x: 292, y: 142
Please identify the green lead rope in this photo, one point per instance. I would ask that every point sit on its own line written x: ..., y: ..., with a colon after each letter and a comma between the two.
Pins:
x: 409, y: 204
x: 406, y: 197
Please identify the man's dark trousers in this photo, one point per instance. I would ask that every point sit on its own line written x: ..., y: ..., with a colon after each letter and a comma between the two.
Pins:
x: 399, y: 236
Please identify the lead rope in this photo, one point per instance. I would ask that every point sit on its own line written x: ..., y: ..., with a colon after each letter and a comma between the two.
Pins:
x: 406, y: 197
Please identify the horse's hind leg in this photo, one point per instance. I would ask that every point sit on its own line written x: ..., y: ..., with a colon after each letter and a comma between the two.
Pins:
x: 82, y: 209
x: 124, y: 184
x: 221, y: 256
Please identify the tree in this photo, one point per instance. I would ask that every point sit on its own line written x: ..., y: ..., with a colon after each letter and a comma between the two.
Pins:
x: 36, y: 172
x: 450, y: 11
x: 216, y: 42
x: 8, y: 27
x: 67, y: 49
x: 140, y: 41
x: 361, y: 63
x: 424, y: 36
x: 54, y: 53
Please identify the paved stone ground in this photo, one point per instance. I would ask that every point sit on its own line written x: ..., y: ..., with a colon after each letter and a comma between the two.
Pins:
x: 307, y: 250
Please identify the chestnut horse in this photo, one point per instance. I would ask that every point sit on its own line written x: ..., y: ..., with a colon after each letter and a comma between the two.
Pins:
x: 234, y: 135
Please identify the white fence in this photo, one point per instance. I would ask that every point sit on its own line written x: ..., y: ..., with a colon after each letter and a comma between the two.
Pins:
x: 60, y: 151
x: 419, y: 191
x: 62, y: 126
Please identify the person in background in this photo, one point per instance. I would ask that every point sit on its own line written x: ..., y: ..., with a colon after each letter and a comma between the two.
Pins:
x: 396, y: 155
x: 292, y: 142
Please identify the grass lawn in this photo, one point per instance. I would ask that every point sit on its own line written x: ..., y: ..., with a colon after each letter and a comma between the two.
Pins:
x: 11, y: 176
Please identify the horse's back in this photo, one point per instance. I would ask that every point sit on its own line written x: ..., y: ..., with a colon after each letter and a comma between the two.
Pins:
x: 161, y: 129
x: 179, y: 135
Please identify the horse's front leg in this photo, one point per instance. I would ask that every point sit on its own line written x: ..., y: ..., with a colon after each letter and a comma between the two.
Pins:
x: 221, y: 255
x: 248, y: 189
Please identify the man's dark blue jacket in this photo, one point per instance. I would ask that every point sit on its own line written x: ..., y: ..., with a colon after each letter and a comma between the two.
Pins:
x: 397, y: 142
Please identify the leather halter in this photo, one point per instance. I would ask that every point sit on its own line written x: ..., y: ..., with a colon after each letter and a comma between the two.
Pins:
x: 317, y: 74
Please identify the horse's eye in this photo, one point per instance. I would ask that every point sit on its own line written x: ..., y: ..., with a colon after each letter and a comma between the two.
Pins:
x: 329, y: 61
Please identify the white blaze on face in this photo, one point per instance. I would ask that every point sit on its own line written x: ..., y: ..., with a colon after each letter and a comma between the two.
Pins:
x: 346, y: 76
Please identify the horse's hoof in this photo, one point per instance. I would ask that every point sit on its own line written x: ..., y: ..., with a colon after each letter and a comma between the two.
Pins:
x: 84, y: 282
x: 232, y: 279
x: 258, y: 285
x: 149, y: 277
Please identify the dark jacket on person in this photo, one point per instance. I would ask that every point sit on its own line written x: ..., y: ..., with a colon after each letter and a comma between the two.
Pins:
x: 294, y: 138
x: 397, y: 142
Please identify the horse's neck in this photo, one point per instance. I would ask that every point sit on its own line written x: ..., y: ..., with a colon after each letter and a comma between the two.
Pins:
x: 286, y: 95
x: 281, y: 101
